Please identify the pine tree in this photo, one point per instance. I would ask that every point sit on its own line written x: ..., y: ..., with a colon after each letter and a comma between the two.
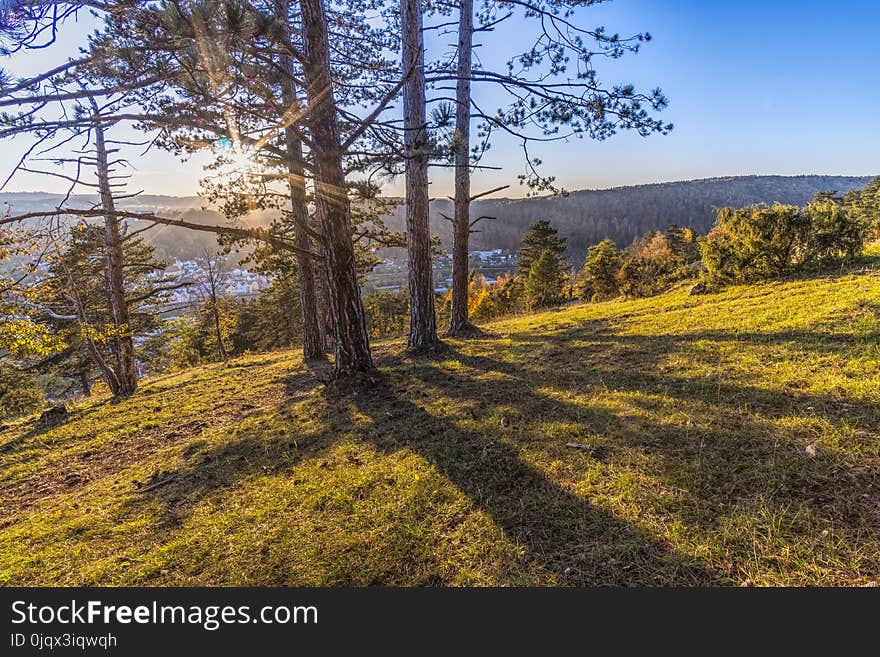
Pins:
x: 422, y: 322
x: 542, y: 236
x: 125, y: 373
x: 545, y: 282
x: 333, y: 206
x: 313, y: 342
x: 546, y: 102
x: 74, y: 305
x: 459, y: 320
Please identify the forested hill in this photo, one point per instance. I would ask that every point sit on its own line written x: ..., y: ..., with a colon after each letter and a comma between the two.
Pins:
x: 623, y: 213
x: 584, y: 217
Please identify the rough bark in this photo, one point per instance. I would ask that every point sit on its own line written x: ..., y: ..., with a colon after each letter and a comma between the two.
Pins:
x: 313, y: 345
x: 325, y: 311
x: 352, y: 348
x: 460, y: 322
x: 123, y: 345
x: 422, y: 321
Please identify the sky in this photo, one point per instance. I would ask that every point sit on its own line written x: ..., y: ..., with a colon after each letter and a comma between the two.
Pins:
x: 755, y: 87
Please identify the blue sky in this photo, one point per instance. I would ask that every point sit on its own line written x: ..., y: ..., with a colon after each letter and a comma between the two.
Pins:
x: 755, y: 87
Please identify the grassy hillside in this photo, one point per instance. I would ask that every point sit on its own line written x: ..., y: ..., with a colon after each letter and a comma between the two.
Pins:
x: 723, y: 439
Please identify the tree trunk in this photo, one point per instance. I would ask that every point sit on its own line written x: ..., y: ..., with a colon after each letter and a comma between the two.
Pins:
x: 422, y: 321
x: 84, y: 383
x: 107, y: 373
x: 325, y: 310
x: 460, y: 322
x: 218, y: 332
x: 352, y: 347
x: 213, y: 275
x: 123, y: 344
x: 313, y: 347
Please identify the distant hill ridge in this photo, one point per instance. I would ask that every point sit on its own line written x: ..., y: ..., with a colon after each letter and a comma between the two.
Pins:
x: 584, y: 216
x: 623, y: 213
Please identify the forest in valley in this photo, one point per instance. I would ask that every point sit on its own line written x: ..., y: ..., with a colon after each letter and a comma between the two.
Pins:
x: 198, y: 366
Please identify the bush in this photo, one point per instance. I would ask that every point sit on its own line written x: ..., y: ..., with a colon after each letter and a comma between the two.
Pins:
x: 598, y: 279
x: 387, y: 313
x: 835, y: 232
x: 764, y: 242
x: 644, y: 277
x: 19, y: 393
x: 183, y: 342
x: 658, y: 260
x: 865, y: 205
x: 505, y: 297
x: 682, y: 244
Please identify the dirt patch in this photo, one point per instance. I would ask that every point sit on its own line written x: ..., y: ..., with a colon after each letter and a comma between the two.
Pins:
x: 80, y: 467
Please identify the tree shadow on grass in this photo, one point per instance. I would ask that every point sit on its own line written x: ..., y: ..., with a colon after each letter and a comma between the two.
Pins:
x: 731, y: 458
x: 560, y: 532
x: 270, y: 440
x: 562, y: 537
x: 733, y: 448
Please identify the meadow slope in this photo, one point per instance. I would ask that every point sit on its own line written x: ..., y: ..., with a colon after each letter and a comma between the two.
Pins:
x: 723, y: 439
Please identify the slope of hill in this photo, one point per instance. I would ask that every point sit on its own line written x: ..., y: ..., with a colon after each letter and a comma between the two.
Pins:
x: 676, y: 440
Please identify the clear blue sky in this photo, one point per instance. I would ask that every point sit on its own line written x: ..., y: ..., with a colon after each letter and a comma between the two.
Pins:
x: 755, y: 87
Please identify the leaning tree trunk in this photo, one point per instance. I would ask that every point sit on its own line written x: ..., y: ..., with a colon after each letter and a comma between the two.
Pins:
x: 218, y: 332
x: 422, y: 322
x: 213, y: 268
x: 331, y: 197
x: 460, y: 322
x: 313, y: 347
x: 123, y: 344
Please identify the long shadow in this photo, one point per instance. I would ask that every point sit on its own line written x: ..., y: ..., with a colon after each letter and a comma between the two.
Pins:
x: 39, y: 427
x: 632, y: 362
x: 212, y: 466
x: 738, y: 461
x: 636, y: 370
x: 562, y: 537
x: 561, y: 533
x: 819, y: 341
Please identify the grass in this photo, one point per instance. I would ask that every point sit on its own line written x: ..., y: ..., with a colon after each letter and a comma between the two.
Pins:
x: 694, y: 416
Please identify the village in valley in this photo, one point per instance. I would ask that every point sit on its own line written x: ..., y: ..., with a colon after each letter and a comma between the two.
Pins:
x: 391, y: 273
x: 235, y: 281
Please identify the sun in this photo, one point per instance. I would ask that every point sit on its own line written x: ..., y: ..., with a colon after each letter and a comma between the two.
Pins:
x: 235, y: 159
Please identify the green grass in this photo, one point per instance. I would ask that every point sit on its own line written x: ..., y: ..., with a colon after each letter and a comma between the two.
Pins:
x: 454, y: 470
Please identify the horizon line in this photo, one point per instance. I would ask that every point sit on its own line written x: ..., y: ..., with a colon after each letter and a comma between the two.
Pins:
x: 524, y: 198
